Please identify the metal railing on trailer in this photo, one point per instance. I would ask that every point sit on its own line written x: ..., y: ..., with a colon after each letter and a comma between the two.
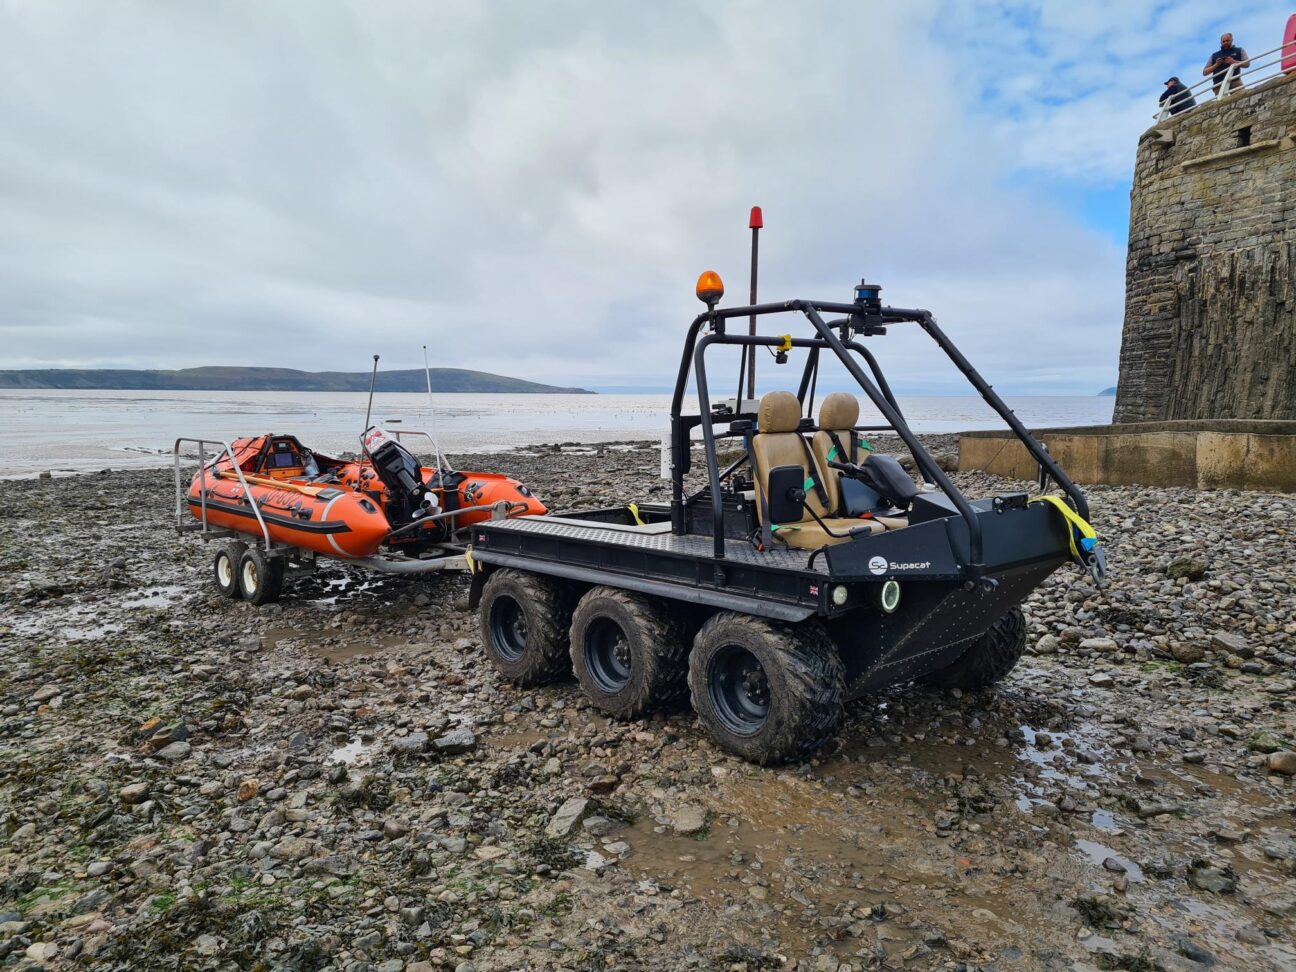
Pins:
x: 182, y: 524
x: 864, y: 319
x: 1271, y: 65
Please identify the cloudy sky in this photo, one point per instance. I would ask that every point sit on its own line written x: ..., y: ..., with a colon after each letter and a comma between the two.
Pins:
x: 532, y: 187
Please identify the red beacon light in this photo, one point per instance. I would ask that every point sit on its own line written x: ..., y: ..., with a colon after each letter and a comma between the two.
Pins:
x: 757, y: 220
x: 710, y: 288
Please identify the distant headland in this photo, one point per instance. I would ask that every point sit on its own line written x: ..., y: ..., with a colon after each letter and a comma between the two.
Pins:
x: 275, y: 379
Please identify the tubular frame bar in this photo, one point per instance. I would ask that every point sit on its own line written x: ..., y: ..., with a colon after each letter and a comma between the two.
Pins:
x: 879, y: 393
x: 202, y: 492
x: 931, y: 472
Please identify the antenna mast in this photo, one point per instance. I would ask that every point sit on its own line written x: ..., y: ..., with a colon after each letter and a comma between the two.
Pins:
x: 436, y: 439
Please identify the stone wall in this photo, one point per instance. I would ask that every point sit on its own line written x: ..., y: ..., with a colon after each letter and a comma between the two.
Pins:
x: 1210, y: 305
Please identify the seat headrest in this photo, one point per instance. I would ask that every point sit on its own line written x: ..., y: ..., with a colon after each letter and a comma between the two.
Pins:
x: 779, y: 412
x: 840, y: 410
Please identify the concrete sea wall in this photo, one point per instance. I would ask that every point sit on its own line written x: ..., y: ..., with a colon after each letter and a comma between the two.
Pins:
x: 1206, y: 455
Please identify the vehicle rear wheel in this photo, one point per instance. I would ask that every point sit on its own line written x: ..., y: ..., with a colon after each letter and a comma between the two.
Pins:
x: 768, y: 692
x: 225, y: 567
x: 987, y: 659
x: 260, y: 576
x: 627, y: 652
x: 524, y: 623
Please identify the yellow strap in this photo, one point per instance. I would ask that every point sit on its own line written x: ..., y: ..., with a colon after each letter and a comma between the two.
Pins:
x: 1073, y: 518
x: 634, y: 511
x: 786, y: 345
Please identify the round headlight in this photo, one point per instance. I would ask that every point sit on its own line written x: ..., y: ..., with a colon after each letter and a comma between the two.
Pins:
x: 890, y: 596
x: 839, y: 595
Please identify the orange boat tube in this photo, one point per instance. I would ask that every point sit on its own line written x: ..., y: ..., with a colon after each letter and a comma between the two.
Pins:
x: 332, y: 521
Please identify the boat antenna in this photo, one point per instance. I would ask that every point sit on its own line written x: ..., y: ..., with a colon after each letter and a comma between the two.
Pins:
x: 373, y: 378
x: 436, y: 441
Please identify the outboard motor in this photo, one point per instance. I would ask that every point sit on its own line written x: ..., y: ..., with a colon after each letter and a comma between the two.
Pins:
x: 402, y: 474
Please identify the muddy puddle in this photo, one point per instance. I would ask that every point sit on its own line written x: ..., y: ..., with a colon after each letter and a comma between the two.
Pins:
x: 332, y: 648
x: 871, y: 854
x: 155, y: 597
x: 816, y: 866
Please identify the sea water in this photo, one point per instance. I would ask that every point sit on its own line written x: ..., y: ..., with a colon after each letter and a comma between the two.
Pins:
x: 83, y: 431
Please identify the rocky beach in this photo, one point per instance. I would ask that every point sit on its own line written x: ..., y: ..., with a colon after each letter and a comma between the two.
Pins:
x: 342, y: 781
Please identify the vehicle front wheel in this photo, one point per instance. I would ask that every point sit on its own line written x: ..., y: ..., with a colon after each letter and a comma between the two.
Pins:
x: 768, y: 692
x: 627, y: 652
x: 524, y: 625
x: 260, y: 576
x: 988, y: 659
x: 225, y: 568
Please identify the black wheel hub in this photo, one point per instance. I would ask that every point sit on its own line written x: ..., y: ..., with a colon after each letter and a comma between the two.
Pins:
x: 607, y: 655
x: 508, y: 627
x: 739, y: 690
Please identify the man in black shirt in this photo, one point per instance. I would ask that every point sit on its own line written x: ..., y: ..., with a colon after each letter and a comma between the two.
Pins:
x: 1229, y: 55
x: 1179, y: 97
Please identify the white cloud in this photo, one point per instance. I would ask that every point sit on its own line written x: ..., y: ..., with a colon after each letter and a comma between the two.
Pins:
x: 531, y: 189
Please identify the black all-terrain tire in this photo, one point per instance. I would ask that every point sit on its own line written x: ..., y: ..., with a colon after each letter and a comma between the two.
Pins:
x: 987, y: 659
x: 525, y: 621
x: 225, y: 568
x: 628, y: 653
x: 799, y: 675
x: 260, y: 577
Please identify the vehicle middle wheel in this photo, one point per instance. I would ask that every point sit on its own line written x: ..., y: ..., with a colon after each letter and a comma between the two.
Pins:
x: 988, y: 659
x: 524, y: 624
x: 260, y: 576
x: 627, y: 653
x: 225, y: 567
x: 768, y: 692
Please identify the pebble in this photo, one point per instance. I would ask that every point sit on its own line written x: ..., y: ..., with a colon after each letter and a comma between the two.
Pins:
x: 133, y: 793
x: 688, y: 820
x: 1104, y: 645
x: 455, y: 742
x: 45, y: 693
x: 566, y: 817
x: 1283, y: 762
x: 415, y: 742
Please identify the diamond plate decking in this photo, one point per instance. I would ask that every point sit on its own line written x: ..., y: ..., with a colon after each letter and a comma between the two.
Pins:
x: 736, y: 551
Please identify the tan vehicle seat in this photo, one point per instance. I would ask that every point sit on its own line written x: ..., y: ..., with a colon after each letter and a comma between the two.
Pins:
x: 778, y: 443
x: 838, y: 416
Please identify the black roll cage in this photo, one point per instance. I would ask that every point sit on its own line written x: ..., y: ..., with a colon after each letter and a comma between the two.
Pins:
x: 865, y: 321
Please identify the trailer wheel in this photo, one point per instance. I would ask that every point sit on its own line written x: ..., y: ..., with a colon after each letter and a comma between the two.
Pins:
x: 628, y: 653
x: 225, y: 567
x: 988, y: 658
x: 766, y: 691
x: 524, y: 623
x: 260, y: 577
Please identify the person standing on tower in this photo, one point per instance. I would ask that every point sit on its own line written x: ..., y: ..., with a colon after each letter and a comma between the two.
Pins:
x: 1229, y: 55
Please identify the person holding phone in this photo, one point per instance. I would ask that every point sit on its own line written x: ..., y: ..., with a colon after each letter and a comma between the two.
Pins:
x: 1229, y: 55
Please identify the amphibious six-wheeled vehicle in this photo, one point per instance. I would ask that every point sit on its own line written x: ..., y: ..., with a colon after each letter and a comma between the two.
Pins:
x: 806, y: 571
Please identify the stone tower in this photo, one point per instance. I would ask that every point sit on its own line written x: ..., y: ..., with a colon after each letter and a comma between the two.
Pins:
x: 1210, y: 300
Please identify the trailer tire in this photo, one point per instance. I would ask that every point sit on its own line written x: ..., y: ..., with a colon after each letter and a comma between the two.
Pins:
x: 225, y: 569
x: 988, y: 659
x: 628, y: 653
x: 525, y: 620
x: 766, y: 691
x: 260, y: 577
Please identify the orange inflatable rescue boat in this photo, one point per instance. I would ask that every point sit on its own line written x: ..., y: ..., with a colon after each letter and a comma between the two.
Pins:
x: 271, y: 486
